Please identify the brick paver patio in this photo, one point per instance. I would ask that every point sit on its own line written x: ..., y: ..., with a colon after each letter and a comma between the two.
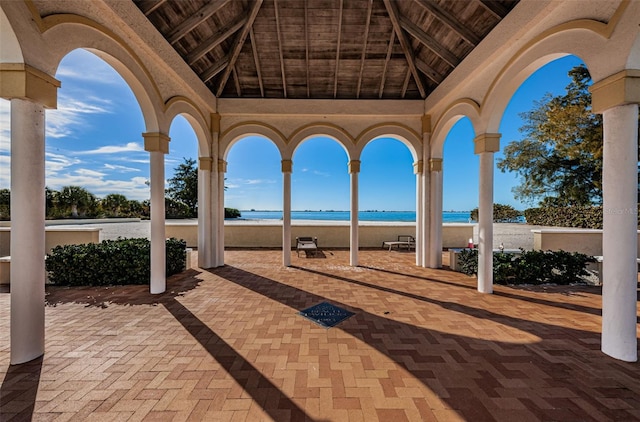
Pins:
x: 228, y: 344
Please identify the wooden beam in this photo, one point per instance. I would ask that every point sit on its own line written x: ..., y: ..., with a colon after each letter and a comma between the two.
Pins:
x: 496, y: 9
x: 405, y: 84
x: 404, y: 43
x: 306, y: 46
x: 214, y: 70
x: 429, y: 72
x: 256, y: 60
x: 194, y: 20
x: 450, y: 20
x: 148, y: 6
x: 215, y: 40
x: 364, y: 47
x: 429, y: 42
x: 236, y: 81
x: 237, y: 46
x: 284, y: 79
x: 386, y: 63
x: 335, y: 76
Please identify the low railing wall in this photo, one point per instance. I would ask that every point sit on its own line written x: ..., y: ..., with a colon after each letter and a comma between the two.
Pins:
x: 333, y: 235
x: 586, y: 241
x: 54, y: 236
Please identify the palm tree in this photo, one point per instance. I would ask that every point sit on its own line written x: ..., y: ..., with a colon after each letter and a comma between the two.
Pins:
x: 74, y: 197
x: 115, y: 203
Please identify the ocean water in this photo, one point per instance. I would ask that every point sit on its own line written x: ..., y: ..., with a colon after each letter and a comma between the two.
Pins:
x: 409, y: 216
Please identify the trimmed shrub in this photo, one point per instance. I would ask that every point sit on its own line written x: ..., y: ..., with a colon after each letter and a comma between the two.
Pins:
x: 111, y: 262
x: 530, y: 267
x: 576, y: 216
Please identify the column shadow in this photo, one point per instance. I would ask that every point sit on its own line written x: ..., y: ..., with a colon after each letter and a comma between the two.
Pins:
x: 19, y: 390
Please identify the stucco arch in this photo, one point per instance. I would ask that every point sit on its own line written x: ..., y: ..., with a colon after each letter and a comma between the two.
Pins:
x: 10, y: 51
x: 235, y: 133
x: 580, y: 38
x: 182, y: 106
x: 458, y: 110
x: 391, y: 130
x: 65, y: 33
x: 341, y: 136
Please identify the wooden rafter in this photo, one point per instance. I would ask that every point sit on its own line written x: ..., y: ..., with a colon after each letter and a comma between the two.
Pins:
x: 405, y: 84
x: 495, y: 8
x: 450, y: 20
x: 404, y: 43
x: 148, y: 6
x: 306, y: 46
x: 284, y: 79
x: 214, y: 70
x: 236, y: 81
x: 386, y: 63
x: 194, y: 20
x: 429, y: 72
x: 237, y: 46
x: 256, y: 60
x: 335, y: 77
x: 429, y: 42
x: 215, y: 40
x: 364, y: 47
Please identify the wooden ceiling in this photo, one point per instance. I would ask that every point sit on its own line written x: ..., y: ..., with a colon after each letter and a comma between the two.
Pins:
x: 322, y: 49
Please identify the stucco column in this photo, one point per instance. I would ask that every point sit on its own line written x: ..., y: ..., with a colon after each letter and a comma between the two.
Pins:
x: 222, y: 169
x: 620, y: 225
x: 354, y: 170
x: 206, y: 258
x: 287, y: 167
x: 426, y: 189
x: 27, y: 230
x: 485, y: 145
x: 617, y: 98
x: 157, y: 144
x: 418, y: 170
x: 435, y: 238
x: 30, y: 92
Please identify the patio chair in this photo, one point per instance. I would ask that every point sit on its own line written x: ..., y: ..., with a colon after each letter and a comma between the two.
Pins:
x: 307, y: 244
x: 404, y: 240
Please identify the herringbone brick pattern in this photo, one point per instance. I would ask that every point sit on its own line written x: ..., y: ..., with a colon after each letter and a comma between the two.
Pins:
x: 228, y: 344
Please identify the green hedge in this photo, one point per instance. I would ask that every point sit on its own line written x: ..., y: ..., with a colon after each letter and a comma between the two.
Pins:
x: 111, y: 262
x: 583, y: 217
x: 530, y: 267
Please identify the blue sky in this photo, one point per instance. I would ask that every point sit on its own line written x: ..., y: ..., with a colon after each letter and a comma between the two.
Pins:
x: 94, y: 140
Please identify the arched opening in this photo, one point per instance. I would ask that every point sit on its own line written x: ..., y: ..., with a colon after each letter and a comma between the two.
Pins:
x: 181, y: 171
x: 460, y: 173
x: 387, y: 182
x: 93, y: 141
x: 320, y: 180
x: 253, y: 182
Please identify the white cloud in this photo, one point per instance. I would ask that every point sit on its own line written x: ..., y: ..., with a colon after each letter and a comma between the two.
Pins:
x: 258, y: 181
x: 5, y: 126
x: 121, y: 169
x: 134, y: 188
x: 71, y: 113
x: 114, y: 149
x: 89, y: 173
x: 58, y: 162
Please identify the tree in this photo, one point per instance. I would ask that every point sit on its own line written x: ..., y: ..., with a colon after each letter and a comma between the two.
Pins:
x: 76, y: 197
x: 501, y: 214
x: 560, y: 158
x: 114, y: 204
x: 183, y: 186
x: 5, y: 204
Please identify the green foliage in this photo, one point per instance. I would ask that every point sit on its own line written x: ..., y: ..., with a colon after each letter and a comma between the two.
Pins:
x: 501, y: 214
x: 5, y: 204
x: 176, y: 209
x: 560, y: 158
x: 76, y: 201
x: 530, y: 267
x: 231, y: 213
x: 115, y: 205
x: 183, y: 186
x: 111, y: 262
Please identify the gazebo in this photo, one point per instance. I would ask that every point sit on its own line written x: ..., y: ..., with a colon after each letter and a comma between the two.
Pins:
x: 351, y: 70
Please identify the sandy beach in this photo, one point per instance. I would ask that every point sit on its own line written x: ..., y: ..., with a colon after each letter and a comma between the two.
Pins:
x: 511, y: 235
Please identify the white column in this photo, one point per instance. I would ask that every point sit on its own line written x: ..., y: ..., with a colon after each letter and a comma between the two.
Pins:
x: 354, y: 170
x: 620, y: 225
x: 287, y: 166
x: 157, y: 144
x: 27, y: 230
x: 435, y: 238
x: 206, y: 237
x: 222, y: 169
x: 418, y: 170
x: 485, y: 145
x: 426, y: 204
